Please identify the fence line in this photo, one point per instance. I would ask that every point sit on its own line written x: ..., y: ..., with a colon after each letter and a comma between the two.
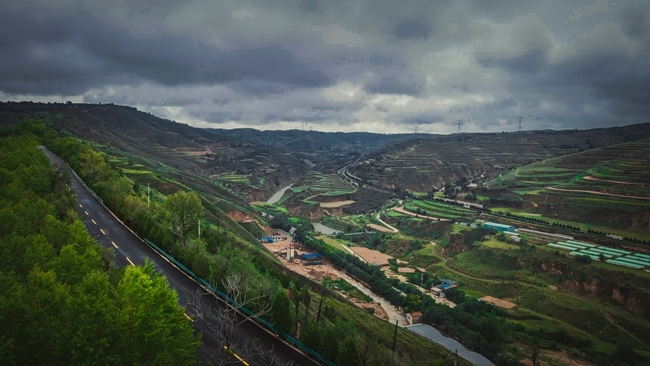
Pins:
x: 296, y: 343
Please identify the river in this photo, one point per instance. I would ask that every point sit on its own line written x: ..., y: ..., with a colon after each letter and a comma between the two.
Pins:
x: 324, y: 229
x: 450, y: 344
x: 276, y: 197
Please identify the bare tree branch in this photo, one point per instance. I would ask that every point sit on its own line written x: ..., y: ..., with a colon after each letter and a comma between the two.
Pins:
x: 223, y: 319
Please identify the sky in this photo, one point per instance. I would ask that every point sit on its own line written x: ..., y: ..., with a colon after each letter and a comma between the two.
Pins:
x: 356, y: 65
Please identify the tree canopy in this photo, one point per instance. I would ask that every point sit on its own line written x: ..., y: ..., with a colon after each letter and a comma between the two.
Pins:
x: 60, y: 302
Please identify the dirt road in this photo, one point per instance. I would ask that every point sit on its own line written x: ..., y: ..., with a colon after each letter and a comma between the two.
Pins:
x: 317, y: 272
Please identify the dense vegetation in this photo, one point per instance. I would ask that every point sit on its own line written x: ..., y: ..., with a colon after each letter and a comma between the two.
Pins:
x: 60, y: 302
x: 339, y: 332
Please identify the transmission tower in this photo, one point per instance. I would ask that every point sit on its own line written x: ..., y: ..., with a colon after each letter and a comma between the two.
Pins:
x: 520, y: 122
x: 416, y: 129
x: 460, y: 122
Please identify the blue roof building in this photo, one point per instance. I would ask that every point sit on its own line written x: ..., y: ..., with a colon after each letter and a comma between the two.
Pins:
x: 449, y: 282
x: 310, y: 256
x: 498, y: 227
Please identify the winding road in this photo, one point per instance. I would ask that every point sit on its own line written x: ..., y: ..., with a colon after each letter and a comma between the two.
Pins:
x: 129, y: 249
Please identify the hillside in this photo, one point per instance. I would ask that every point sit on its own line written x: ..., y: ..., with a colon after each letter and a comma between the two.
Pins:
x: 606, y: 186
x: 258, y: 170
x: 428, y: 163
x: 318, y: 147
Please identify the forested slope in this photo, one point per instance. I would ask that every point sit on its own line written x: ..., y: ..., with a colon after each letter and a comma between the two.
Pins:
x: 60, y: 301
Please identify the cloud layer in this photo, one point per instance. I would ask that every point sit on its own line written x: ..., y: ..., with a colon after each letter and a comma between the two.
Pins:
x: 378, y: 66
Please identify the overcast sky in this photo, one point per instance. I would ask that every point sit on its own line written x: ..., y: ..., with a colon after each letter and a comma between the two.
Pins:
x: 371, y: 65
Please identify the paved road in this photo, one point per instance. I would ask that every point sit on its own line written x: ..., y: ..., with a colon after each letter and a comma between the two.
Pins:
x: 130, y: 250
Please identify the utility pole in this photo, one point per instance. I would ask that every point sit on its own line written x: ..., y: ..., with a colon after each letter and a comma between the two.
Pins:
x: 148, y: 194
x: 394, y: 339
x: 199, y: 229
x: 520, y: 118
x: 416, y: 129
x: 460, y: 122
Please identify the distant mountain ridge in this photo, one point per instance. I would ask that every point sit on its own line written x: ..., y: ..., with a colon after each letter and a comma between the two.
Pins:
x: 316, y: 146
x: 428, y: 163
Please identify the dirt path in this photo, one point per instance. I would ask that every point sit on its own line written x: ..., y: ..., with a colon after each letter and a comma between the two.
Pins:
x: 327, y: 268
x: 589, y: 177
x: 403, y: 211
x: 598, y: 193
x: 385, y: 224
x: 609, y: 318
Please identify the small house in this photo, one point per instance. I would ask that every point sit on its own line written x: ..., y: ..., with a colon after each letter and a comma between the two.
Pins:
x: 414, y: 317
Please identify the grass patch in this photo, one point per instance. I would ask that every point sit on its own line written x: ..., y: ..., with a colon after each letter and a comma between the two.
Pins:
x: 333, y: 243
x: 496, y: 244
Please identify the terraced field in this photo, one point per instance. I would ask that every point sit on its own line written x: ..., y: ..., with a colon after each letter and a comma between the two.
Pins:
x: 439, y: 209
x: 427, y: 163
x: 602, y: 187
x: 317, y: 187
x: 619, y: 170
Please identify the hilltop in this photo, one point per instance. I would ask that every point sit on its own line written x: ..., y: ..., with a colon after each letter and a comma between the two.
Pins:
x: 428, y: 163
x: 175, y: 145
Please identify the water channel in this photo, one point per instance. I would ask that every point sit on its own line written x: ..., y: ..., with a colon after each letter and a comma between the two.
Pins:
x: 324, y: 229
x: 276, y: 197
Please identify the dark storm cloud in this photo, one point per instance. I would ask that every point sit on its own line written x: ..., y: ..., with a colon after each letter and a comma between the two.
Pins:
x: 80, y: 54
x: 411, y: 29
x: 379, y: 60
x: 636, y: 21
x: 352, y: 65
x: 423, y: 120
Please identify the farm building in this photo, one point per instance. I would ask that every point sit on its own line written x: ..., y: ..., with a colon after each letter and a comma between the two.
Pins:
x: 414, y: 317
x: 312, y: 258
x: 498, y: 227
x: 449, y: 282
x: 266, y: 239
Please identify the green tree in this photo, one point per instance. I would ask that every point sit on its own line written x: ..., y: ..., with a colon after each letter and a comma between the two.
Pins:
x: 348, y: 354
x: 153, y: 326
x: 306, y: 298
x: 182, y: 212
x: 310, y: 336
x: 281, y: 311
x: 329, y: 345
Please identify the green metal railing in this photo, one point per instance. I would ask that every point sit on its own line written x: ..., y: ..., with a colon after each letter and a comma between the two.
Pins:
x: 261, y: 322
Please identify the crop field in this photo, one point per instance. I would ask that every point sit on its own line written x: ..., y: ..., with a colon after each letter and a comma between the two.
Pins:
x: 317, y: 188
x: 324, y: 185
x: 269, y: 208
x: 438, y: 209
x: 234, y: 178
x: 342, y: 223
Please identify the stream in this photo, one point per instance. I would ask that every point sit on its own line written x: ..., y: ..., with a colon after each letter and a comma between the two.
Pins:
x: 276, y: 197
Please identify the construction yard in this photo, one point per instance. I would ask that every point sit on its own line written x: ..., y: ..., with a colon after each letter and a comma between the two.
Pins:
x: 317, y: 272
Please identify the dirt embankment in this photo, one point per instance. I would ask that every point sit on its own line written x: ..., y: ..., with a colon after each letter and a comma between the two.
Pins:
x: 630, y: 297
